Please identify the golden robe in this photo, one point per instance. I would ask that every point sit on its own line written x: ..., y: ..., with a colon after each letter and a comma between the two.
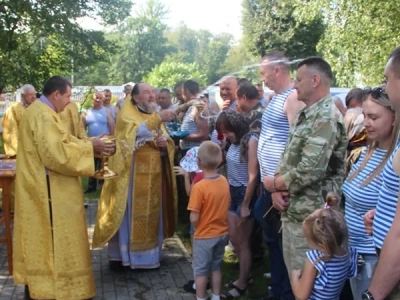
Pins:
x: 10, y: 123
x: 51, y: 247
x: 152, y: 177
x: 73, y: 120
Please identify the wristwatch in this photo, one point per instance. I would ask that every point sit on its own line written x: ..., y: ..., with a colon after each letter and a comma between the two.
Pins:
x: 367, y: 296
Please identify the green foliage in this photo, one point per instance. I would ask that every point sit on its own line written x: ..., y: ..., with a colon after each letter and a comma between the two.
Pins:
x: 359, y: 36
x: 209, y: 51
x: 42, y: 38
x: 272, y: 25
x: 141, y: 42
x: 171, y: 71
x: 239, y: 62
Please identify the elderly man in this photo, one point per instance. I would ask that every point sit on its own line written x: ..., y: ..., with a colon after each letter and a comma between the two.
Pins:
x: 12, y: 118
x: 137, y: 210
x: 386, y: 280
x: 313, y: 161
x: 51, y: 247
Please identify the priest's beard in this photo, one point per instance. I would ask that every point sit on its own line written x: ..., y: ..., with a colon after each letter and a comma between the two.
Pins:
x: 149, y: 107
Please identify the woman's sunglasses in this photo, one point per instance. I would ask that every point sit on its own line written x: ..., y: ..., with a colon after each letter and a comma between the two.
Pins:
x: 375, y: 92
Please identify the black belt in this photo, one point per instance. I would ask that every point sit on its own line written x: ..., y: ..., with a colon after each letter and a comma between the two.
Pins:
x: 378, y: 251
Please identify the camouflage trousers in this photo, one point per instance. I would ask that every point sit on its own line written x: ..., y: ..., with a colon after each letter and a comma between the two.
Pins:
x: 294, y: 245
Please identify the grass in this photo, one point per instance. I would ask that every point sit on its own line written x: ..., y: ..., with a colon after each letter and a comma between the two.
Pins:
x: 229, y: 271
x: 92, y: 196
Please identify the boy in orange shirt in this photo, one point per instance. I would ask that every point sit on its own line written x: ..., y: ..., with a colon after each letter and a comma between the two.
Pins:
x: 208, y: 205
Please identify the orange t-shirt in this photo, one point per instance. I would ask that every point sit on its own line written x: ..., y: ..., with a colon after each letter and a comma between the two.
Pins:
x: 211, y: 199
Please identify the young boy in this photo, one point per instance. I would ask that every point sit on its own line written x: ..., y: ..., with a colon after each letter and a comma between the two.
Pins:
x: 208, y: 205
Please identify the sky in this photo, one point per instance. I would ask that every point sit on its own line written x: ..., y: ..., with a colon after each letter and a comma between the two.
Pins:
x: 214, y: 15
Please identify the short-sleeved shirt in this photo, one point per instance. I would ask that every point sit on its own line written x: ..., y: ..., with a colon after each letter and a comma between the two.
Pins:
x: 210, y: 198
x: 332, y: 274
x: 362, y: 198
x: 387, y: 200
x: 313, y: 161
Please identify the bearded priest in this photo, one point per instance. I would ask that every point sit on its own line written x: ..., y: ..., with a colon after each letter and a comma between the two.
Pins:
x: 138, y: 209
x: 51, y: 247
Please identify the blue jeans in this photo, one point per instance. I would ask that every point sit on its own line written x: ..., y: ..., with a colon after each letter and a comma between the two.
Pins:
x: 361, y: 282
x: 280, y: 282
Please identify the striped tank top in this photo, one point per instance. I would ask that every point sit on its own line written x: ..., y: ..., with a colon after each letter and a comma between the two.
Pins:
x: 238, y: 172
x: 332, y: 274
x: 387, y: 202
x: 360, y: 199
x: 274, y: 134
x: 189, y: 125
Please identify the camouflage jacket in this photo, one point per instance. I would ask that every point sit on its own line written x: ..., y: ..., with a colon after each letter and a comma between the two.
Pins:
x: 313, y: 162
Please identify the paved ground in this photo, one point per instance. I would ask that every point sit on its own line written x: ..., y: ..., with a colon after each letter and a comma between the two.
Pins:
x: 165, y: 283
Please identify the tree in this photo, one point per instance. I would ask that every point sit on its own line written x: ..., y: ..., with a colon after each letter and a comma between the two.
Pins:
x: 241, y: 63
x: 41, y: 38
x: 142, y: 44
x: 272, y: 25
x: 171, y: 71
x: 209, y: 51
x: 359, y: 37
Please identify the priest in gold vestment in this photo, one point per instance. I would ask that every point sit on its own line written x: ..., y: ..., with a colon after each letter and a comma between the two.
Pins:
x: 73, y: 120
x: 138, y: 209
x: 12, y: 118
x: 51, y: 249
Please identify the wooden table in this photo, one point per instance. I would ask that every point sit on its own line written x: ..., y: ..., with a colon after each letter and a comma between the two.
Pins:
x: 7, y: 176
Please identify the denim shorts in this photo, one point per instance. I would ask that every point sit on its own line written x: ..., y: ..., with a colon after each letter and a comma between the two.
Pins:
x: 237, y: 197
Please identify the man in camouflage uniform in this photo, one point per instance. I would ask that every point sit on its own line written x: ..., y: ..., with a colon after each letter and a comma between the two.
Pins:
x: 313, y: 161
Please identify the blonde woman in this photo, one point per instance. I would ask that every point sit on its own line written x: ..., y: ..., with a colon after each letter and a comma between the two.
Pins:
x: 361, y: 188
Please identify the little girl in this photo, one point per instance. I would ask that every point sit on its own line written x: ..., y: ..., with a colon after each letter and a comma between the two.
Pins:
x: 330, y: 261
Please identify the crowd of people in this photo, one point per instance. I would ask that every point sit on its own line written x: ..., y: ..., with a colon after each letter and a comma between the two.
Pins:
x: 315, y: 180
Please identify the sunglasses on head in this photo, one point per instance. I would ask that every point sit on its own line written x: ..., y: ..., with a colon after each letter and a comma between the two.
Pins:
x: 375, y: 92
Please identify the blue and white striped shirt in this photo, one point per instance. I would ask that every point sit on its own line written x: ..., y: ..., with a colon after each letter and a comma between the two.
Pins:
x: 387, y: 202
x: 360, y: 199
x: 189, y: 125
x: 238, y: 172
x: 214, y: 136
x: 332, y: 274
x: 274, y: 134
